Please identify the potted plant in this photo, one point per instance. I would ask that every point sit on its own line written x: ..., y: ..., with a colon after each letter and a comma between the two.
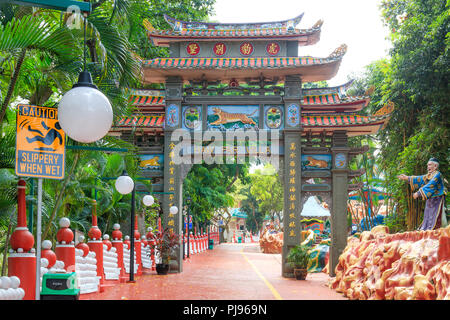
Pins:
x: 165, y: 244
x: 298, y: 258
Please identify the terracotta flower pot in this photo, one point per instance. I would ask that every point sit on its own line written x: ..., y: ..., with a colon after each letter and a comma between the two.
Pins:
x: 300, y: 274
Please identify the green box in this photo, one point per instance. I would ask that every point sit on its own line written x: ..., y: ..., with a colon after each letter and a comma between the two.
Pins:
x: 59, y: 284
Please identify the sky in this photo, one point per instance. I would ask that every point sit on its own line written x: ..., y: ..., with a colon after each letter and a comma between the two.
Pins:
x: 356, y: 23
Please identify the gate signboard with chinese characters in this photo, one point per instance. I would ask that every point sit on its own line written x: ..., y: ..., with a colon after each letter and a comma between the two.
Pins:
x: 245, y: 81
x: 40, y: 143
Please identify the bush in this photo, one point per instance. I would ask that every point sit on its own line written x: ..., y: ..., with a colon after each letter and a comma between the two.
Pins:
x: 298, y: 257
x: 396, y: 223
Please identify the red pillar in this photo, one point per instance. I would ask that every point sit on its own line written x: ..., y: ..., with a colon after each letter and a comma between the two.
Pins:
x: 22, y: 262
x: 151, y: 240
x: 117, y: 243
x: 137, y: 246
x: 65, y: 247
x: 159, y: 225
x: 95, y: 244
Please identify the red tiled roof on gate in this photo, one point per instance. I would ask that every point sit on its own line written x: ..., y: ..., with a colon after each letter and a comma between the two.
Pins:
x: 311, y: 69
x: 353, y: 124
x: 152, y: 121
x: 137, y: 100
x: 332, y: 102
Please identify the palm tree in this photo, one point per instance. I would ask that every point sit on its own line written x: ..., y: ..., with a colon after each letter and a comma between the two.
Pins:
x: 32, y: 33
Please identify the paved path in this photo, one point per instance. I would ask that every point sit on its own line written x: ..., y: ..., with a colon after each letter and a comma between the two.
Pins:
x: 228, y: 272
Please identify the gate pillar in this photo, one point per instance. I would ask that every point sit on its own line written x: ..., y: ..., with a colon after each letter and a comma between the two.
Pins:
x: 292, y: 171
x: 172, y: 175
x: 339, y: 228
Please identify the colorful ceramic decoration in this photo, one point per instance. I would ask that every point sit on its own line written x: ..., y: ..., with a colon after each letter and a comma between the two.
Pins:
x: 219, y: 49
x: 293, y: 115
x: 192, y: 118
x: 246, y: 48
x: 232, y: 117
x: 340, y: 161
x: 193, y: 49
x: 273, y: 48
x: 172, y: 116
x: 316, y: 162
x: 273, y: 117
x: 151, y: 162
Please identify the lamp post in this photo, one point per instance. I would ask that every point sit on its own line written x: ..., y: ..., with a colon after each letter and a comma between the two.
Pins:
x: 124, y: 185
x: 188, y: 202
x: 85, y: 113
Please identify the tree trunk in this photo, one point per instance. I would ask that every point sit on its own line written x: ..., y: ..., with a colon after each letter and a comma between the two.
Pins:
x: 254, y: 218
x: 12, y: 84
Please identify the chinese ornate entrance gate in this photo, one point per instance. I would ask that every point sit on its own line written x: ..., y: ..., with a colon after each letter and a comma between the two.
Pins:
x: 223, y: 78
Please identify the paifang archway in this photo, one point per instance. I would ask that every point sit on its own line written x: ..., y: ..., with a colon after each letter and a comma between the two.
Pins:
x: 251, y: 73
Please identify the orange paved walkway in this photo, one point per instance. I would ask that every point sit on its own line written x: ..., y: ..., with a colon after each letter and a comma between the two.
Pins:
x: 228, y: 272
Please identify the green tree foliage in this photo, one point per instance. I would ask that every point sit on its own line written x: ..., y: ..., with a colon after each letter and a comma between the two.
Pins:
x: 210, y: 188
x: 41, y: 55
x: 250, y: 206
x: 267, y: 190
x: 416, y: 79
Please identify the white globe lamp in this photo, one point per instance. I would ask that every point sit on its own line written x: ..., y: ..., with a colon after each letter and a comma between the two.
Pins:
x: 148, y: 200
x: 85, y: 113
x: 173, y: 210
x: 124, y: 184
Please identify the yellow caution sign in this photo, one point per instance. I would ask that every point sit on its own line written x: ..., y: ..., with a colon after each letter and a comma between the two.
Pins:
x: 40, y: 143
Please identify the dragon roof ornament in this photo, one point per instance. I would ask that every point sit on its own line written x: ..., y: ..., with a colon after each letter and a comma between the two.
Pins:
x: 178, y: 25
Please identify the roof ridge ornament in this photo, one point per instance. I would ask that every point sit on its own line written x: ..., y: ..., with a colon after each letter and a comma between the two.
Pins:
x: 338, y: 52
x: 340, y: 90
x: 369, y: 91
x: 179, y: 25
x: 318, y: 24
x: 385, y: 110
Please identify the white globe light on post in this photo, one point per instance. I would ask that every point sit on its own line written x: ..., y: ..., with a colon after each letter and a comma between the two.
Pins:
x: 148, y: 200
x: 85, y: 113
x: 124, y: 184
x: 173, y: 210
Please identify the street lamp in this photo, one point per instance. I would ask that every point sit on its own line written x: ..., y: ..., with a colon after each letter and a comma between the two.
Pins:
x: 84, y: 113
x: 124, y: 185
x: 173, y: 210
x: 188, y: 202
x: 148, y: 200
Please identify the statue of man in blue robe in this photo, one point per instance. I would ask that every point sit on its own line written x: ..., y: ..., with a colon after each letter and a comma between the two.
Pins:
x: 430, y: 187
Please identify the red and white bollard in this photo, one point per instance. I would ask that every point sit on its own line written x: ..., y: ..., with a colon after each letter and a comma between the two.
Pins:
x: 204, y: 241
x: 137, y: 246
x: 146, y: 256
x: 95, y: 244
x: 22, y: 255
x: 185, y: 248
x: 48, y: 253
x: 191, y: 244
x: 117, y: 243
x: 82, y: 246
x: 152, y: 242
x: 65, y: 246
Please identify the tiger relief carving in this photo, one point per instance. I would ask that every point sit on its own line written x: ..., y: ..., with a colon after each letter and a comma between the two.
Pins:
x: 226, y: 117
x: 316, y: 163
x: 153, y: 162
